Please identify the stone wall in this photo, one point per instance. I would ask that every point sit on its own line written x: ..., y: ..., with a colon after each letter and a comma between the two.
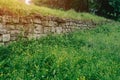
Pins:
x: 11, y: 27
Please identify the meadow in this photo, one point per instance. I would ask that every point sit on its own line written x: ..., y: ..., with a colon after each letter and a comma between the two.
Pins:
x: 81, y: 55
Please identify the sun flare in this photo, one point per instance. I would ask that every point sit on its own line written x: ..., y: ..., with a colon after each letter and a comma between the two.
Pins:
x: 28, y: 2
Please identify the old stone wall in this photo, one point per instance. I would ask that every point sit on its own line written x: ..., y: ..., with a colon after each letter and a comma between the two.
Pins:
x: 11, y: 27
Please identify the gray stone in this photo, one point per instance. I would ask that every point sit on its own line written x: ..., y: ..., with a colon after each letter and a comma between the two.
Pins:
x: 67, y: 24
x: 19, y: 27
x: 47, y: 30
x: 53, y: 30
x: 52, y: 23
x: 79, y: 22
x: 3, y: 31
x: 13, y: 38
x: 84, y: 25
x: 27, y: 27
x: 38, y: 28
x: 15, y: 33
x: 10, y: 27
x: 58, y: 30
x: 49, y: 23
x: 6, y: 37
x: 45, y: 23
x: 62, y: 24
x: 15, y: 19
x: 1, y: 26
x: 37, y: 21
x: 23, y: 20
x: 35, y: 36
x: 71, y: 23
x: 7, y: 19
x: 69, y: 30
x: 64, y: 31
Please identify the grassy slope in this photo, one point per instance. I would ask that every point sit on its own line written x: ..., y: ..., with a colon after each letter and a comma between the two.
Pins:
x: 21, y: 9
x: 82, y: 55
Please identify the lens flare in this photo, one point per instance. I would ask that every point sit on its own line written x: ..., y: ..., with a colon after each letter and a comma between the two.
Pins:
x: 28, y: 2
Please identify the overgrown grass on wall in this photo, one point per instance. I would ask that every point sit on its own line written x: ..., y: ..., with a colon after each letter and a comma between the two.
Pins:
x: 15, y: 7
x: 82, y: 55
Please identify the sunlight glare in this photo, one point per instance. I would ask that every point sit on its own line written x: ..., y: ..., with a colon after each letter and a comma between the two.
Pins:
x: 27, y: 2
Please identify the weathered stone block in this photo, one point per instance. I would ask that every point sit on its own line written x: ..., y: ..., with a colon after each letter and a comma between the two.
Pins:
x: 6, y: 37
x: 7, y: 19
x: 27, y: 28
x: 15, y: 19
x: 80, y: 22
x: 19, y: 27
x: 67, y: 24
x: 71, y: 23
x: 37, y: 21
x: 52, y: 23
x: 53, y: 30
x: 69, y: 30
x: 49, y: 23
x: 23, y: 20
x: 13, y: 38
x: 45, y: 23
x: 62, y: 25
x: 64, y: 31
x: 10, y: 27
x: 35, y: 36
x: 3, y: 31
x: 47, y: 30
x: 84, y: 25
x: 79, y: 25
x: 15, y: 33
x: 38, y: 28
x: 58, y: 30
x: 1, y: 26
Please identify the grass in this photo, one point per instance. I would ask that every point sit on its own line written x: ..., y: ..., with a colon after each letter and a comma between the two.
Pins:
x: 19, y: 8
x: 82, y: 55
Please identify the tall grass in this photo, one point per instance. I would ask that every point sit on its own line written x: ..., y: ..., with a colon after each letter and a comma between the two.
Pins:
x: 82, y: 55
x: 20, y: 8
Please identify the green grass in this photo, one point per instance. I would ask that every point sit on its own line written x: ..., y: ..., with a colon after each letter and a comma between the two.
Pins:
x: 20, y: 8
x: 82, y: 55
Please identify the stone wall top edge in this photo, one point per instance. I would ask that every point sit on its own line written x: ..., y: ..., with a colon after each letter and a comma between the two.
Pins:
x: 54, y: 18
x: 29, y: 18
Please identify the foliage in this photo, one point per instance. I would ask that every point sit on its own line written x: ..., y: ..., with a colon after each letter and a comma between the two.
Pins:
x: 107, y: 8
x: 83, y: 55
x: 116, y: 5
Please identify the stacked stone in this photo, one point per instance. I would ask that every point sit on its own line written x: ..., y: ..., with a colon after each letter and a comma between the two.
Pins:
x: 12, y: 27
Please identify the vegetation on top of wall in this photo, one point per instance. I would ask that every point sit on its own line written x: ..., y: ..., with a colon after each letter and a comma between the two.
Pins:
x: 14, y: 7
x: 83, y: 55
x: 107, y: 8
